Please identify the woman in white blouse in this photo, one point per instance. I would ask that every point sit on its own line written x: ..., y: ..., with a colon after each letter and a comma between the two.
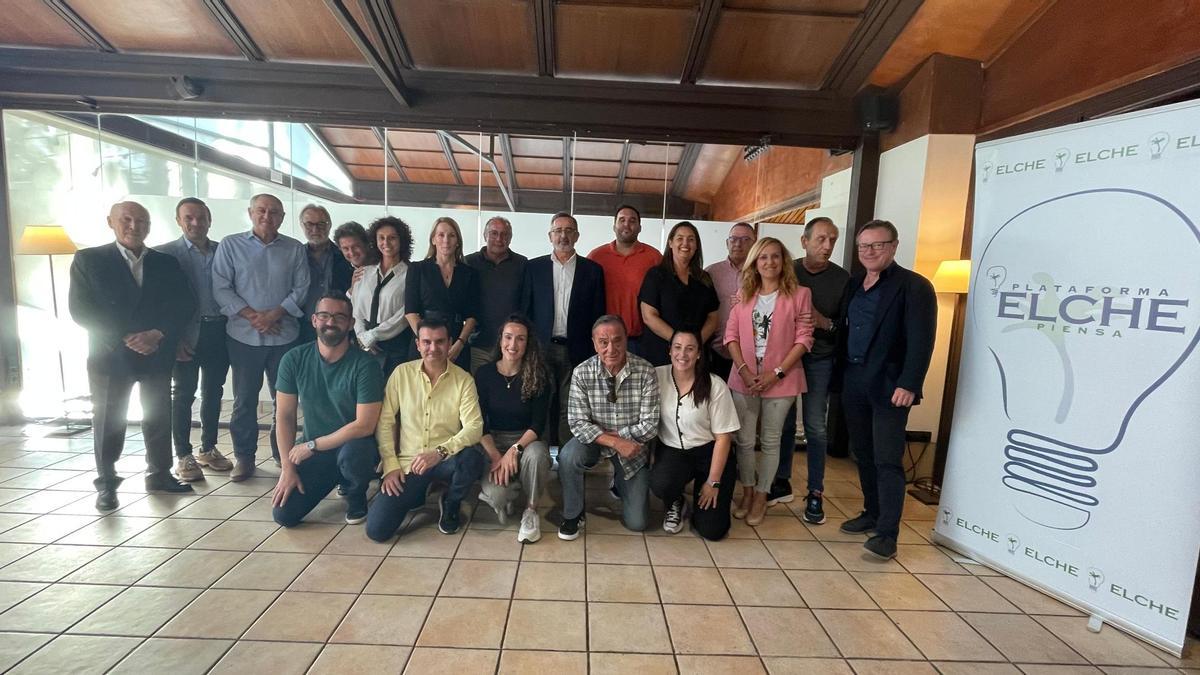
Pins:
x: 378, y: 298
x: 695, y: 433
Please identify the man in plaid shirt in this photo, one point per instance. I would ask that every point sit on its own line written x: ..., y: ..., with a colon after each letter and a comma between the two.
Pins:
x: 612, y: 410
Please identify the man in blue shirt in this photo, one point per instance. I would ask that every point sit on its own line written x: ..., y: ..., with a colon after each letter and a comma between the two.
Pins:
x: 201, y: 357
x: 341, y: 392
x: 260, y: 279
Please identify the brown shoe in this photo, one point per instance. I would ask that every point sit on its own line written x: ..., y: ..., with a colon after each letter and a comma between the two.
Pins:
x: 242, y: 469
x: 213, y: 459
x: 188, y: 470
x: 743, y: 506
x: 758, y: 510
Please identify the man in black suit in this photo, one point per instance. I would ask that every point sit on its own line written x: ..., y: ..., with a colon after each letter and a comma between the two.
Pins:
x: 890, y: 318
x: 135, y: 303
x: 328, y: 269
x: 564, y: 295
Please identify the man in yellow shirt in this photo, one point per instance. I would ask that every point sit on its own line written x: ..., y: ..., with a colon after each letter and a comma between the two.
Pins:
x: 428, y: 431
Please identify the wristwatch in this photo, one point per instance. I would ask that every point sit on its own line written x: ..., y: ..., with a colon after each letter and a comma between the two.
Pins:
x: 520, y: 448
x: 441, y: 450
x: 779, y: 373
x: 714, y: 483
x: 311, y: 445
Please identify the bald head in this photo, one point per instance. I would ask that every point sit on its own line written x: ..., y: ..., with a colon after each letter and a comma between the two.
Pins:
x: 130, y: 222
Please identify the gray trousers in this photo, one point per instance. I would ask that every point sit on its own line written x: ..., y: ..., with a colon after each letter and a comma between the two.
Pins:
x: 533, y: 472
x: 759, y: 472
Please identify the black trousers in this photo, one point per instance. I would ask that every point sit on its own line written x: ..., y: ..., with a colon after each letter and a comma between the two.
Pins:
x: 208, y: 369
x: 719, y: 365
x: 675, y: 468
x: 877, y: 440
x: 110, y: 410
x: 558, y: 362
x: 353, y: 464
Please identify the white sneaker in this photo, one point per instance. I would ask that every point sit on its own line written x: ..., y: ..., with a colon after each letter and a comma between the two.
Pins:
x: 673, y: 522
x: 531, y: 527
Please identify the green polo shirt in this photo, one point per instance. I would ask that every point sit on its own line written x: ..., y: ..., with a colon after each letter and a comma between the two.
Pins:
x: 329, y: 392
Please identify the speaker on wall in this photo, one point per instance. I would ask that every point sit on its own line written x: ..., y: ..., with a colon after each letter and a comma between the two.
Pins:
x: 877, y: 111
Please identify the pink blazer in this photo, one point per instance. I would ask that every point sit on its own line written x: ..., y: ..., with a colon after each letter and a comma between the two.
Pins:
x: 786, y: 331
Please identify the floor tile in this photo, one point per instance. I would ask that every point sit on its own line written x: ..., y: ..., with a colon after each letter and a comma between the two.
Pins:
x: 888, y: 667
x: 12, y: 592
x: 1109, y: 647
x: 464, y: 622
x: 261, y: 509
x: 264, y: 571
x: 480, y: 579
x: 12, y: 552
x: 219, y: 613
x: 173, y: 655
x: 865, y: 634
x: 550, y: 581
x: 892, y: 590
x: 489, y: 545
x: 174, y: 533
x: 616, y: 549
x: 621, y: 583
x: 214, y: 506
x: 235, y: 535
x: 16, y: 646
x: 678, y: 551
x: 1027, y: 599
x: 944, y: 636
x: 779, y: 631
x: 967, y: 593
x: 192, y: 569
x: 337, y: 574
x: 277, y: 658
x: 692, y: 585
x: 51, y: 563
x: 770, y: 588
x: 927, y: 560
x: 552, y: 549
x: 154, y: 506
x: 792, y: 666
x: 408, y: 576
x: 54, y: 609
x: 802, y: 555
x: 1050, y: 669
x: 352, y: 541
x: 707, y: 630
x: 110, y: 531
x: 40, y: 502
x: 854, y: 557
x: 547, y: 625
x: 786, y: 527
x: 360, y: 660
x: 833, y: 590
x: 741, y: 553
x: 642, y: 664
x: 77, y: 654
x: 136, y: 612
x: 46, y: 529
x: 426, y: 542
x: 614, y: 627
x: 976, y: 668
x: 384, y: 620
x: 1020, y: 638
x: 438, y: 661
x: 297, y: 616
x: 304, y: 538
x: 517, y: 662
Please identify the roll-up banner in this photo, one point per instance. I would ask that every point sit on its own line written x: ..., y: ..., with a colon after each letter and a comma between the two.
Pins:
x: 1074, y: 463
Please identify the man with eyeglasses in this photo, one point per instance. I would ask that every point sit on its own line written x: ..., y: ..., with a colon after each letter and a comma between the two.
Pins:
x: 887, y: 334
x: 340, y: 391
x: 501, y: 275
x: 613, y: 411
x: 727, y: 279
x: 328, y: 269
x: 564, y: 295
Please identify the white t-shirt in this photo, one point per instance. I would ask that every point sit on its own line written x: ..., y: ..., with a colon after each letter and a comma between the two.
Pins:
x: 760, y: 319
x: 697, y: 426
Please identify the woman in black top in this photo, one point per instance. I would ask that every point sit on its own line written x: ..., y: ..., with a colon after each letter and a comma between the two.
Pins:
x: 443, y: 285
x: 677, y: 295
x: 514, y: 394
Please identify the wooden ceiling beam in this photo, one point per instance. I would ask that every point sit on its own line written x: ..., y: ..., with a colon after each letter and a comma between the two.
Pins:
x: 389, y: 154
x: 683, y: 172
x: 391, y: 79
x: 234, y: 29
x: 625, y: 150
x: 449, y: 154
x: 81, y: 26
x: 543, y: 35
x: 387, y: 29
x: 881, y: 24
x: 702, y: 34
x: 510, y: 168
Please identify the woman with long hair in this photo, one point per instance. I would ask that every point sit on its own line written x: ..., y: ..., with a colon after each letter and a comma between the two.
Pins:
x: 677, y: 294
x: 769, y: 329
x: 443, y: 285
x: 378, y: 297
x: 514, y: 396
x: 697, y: 420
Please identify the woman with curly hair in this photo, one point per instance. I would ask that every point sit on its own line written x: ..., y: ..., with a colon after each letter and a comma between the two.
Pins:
x: 378, y: 298
x: 514, y: 395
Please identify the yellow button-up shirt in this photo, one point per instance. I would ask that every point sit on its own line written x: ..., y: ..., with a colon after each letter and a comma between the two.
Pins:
x: 418, y: 415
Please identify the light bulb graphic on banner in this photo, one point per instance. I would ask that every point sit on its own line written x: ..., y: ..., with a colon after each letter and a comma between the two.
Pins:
x: 1059, y: 324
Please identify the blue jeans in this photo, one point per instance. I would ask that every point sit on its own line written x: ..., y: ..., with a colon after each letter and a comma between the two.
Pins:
x: 818, y: 372
x: 458, y: 472
x: 353, y: 463
x: 248, y: 364
x: 576, y: 458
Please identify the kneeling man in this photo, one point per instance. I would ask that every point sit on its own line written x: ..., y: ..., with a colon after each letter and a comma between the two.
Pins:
x: 341, y: 391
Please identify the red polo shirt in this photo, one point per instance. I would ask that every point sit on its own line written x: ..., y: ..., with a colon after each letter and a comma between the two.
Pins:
x: 623, y: 275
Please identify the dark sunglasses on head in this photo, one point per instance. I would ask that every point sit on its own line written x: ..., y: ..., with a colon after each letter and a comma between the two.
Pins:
x: 612, y: 390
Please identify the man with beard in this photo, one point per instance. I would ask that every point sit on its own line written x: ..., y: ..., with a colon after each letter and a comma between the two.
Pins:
x: 625, y: 261
x: 328, y: 269
x: 341, y: 392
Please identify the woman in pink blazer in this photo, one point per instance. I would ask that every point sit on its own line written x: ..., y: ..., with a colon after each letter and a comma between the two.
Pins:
x: 769, y: 329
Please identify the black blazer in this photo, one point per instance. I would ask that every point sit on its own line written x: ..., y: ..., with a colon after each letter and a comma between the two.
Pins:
x: 902, y: 337
x: 587, y: 303
x: 343, y: 272
x: 106, y: 301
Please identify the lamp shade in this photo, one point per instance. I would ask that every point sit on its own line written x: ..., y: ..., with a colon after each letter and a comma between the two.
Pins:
x: 952, y: 276
x: 45, y: 240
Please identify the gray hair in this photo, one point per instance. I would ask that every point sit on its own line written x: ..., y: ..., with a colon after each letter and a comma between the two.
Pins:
x: 808, y: 227
x: 610, y: 319
x: 502, y: 219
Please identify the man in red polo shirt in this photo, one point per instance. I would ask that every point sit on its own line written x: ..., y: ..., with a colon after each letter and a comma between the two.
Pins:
x: 625, y: 261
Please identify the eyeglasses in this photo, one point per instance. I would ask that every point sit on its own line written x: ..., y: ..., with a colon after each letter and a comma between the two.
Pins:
x: 874, y: 246
x: 561, y: 232
x: 315, y: 223
x: 740, y: 240
x: 612, y: 390
x: 338, y: 316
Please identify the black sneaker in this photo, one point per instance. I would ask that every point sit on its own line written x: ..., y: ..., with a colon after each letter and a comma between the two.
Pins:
x: 814, y: 510
x: 354, y: 516
x: 570, y: 528
x: 781, y: 492
x: 860, y: 525
x: 448, y: 521
x: 883, y: 548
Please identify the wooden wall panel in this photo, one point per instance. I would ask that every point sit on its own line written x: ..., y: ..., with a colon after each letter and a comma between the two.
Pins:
x: 296, y: 30
x: 775, y: 177
x: 32, y: 23
x: 350, y: 136
x: 163, y: 27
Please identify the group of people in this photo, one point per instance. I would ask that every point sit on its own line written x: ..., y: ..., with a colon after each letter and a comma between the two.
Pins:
x: 463, y: 368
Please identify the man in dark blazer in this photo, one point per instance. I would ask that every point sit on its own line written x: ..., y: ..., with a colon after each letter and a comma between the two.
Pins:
x: 328, y: 269
x: 135, y: 303
x: 887, y: 333
x: 564, y: 295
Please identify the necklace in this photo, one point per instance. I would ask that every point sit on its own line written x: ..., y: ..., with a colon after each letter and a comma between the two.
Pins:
x: 508, y: 381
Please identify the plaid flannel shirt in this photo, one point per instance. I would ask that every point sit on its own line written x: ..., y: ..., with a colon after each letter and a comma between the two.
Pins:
x: 634, y: 415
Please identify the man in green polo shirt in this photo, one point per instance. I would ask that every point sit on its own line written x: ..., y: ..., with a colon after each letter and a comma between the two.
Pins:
x: 341, y: 392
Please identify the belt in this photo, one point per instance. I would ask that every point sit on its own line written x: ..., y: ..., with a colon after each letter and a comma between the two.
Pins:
x: 209, y: 319
x: 558, y: 340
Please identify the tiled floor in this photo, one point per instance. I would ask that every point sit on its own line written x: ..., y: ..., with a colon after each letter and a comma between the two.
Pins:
x: 207, y: 583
